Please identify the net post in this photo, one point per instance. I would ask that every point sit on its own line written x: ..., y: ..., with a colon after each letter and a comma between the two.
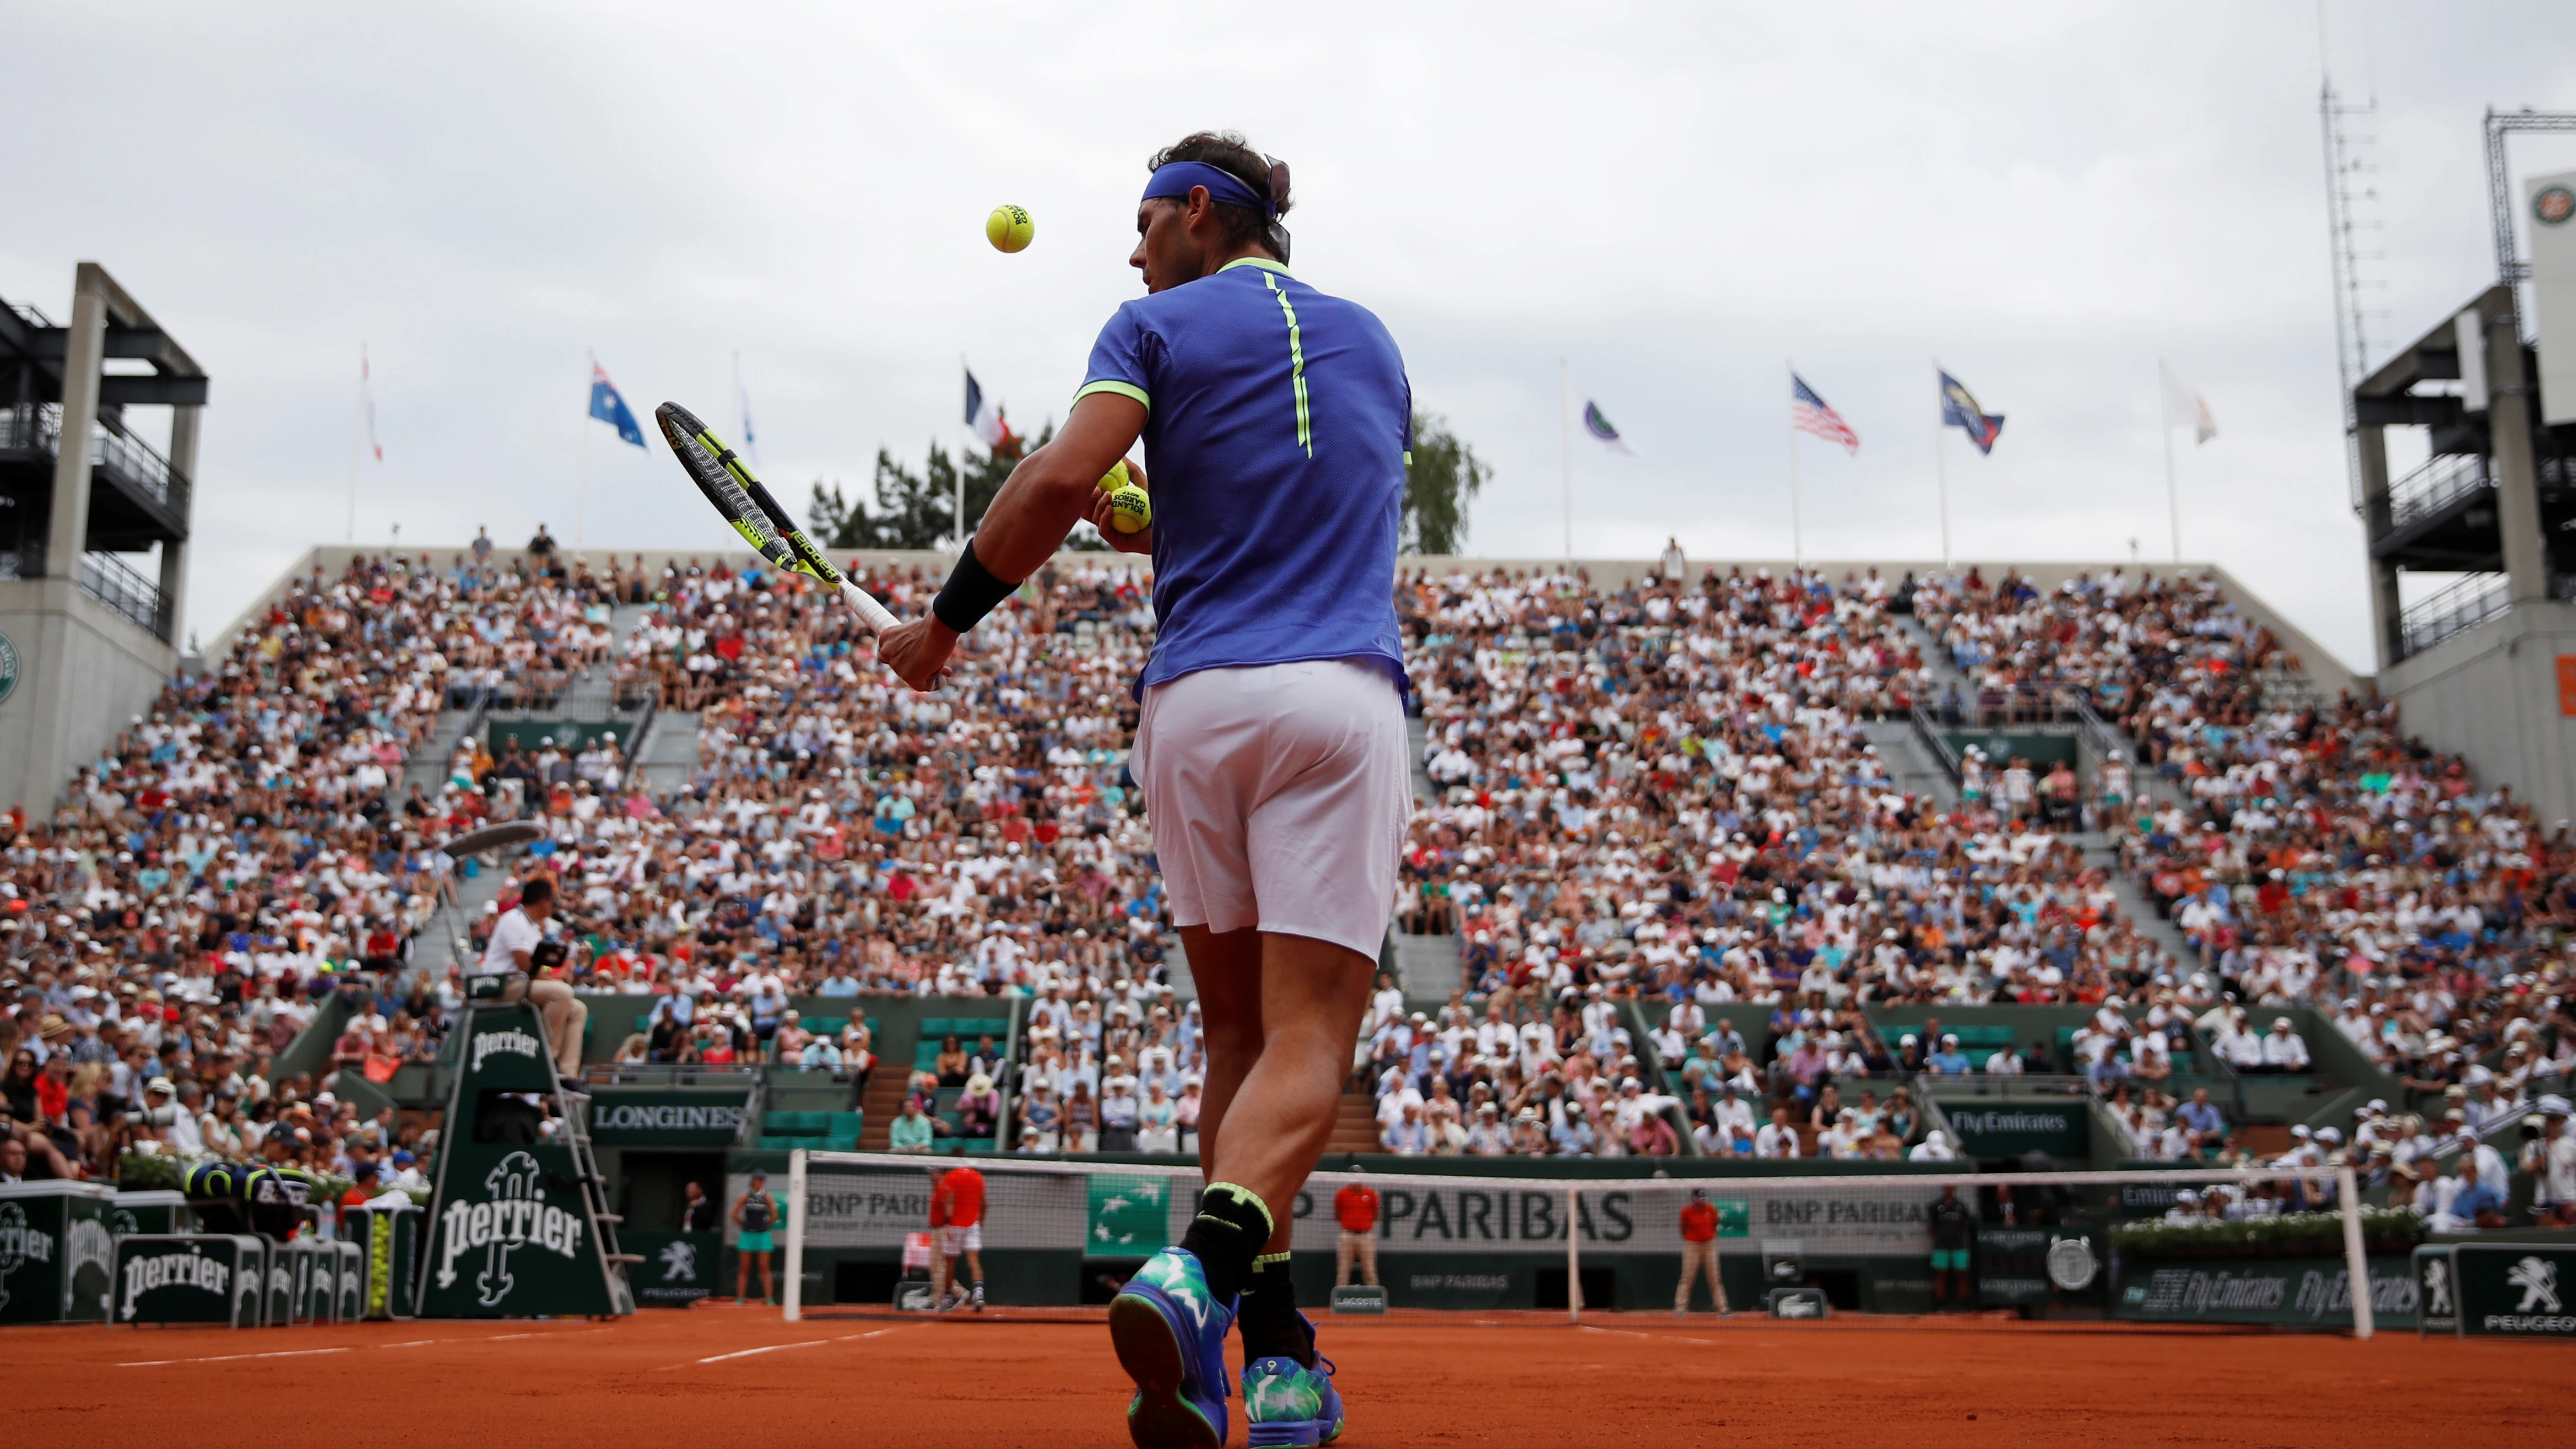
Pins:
x: 1573, y: 1260
x: 794, y: 1297
x: 2356, y: 1263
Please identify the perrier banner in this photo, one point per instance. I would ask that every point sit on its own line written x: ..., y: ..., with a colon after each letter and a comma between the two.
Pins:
x: 510, y: 1234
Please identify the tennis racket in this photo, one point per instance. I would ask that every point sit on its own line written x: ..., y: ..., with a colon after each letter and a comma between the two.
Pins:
x: 728, y: 483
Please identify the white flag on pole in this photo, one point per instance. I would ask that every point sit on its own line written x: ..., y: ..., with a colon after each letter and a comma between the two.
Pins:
x: 2184, y: 407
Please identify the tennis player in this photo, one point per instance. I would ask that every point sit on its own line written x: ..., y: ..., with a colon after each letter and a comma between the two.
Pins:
x: 1271, y: 742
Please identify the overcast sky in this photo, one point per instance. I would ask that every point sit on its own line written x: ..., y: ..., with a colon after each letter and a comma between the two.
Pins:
x: 1677, y: 199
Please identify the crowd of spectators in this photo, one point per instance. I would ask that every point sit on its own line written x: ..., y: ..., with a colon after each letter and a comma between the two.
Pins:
x: 241, y: 851
x: 1676, y: 867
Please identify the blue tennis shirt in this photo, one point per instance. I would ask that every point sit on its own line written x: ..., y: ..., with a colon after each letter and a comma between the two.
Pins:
x: 1276, y: 429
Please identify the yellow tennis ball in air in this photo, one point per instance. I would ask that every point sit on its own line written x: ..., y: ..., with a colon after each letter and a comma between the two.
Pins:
x: 1009, y: 228
x: 1129, y: 509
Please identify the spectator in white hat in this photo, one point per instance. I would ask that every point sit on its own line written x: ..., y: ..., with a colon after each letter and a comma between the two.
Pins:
x: 1935, y: 1147
x: 2284, y: 1051
x: 2550, y: 1158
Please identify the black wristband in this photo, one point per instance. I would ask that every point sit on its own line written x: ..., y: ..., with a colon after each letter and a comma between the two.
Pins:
x: 971, y: 592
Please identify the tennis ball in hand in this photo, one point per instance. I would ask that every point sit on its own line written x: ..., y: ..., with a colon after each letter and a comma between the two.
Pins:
x: 1129, y: 509
x: 1116, y: 478
x: 1009, y: 228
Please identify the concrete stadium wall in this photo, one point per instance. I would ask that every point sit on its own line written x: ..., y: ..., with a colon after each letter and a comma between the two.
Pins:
x: 2492, y: 694
x: 84, y: 671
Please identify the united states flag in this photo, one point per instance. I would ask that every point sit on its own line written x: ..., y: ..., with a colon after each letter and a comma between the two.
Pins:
x: 1808, y: 414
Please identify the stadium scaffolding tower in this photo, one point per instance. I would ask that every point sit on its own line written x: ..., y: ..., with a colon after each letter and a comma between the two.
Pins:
x: 1081, y: 1207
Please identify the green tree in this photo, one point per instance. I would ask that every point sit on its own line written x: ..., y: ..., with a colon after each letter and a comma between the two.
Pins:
x: 917, y: 508
x: 1443, y: 475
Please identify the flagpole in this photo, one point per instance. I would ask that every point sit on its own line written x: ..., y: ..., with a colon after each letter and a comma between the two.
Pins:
x: 1565, y: 439
x: 581, y: 504
x: 960, y: 501
x: 1941, y: 467
x: 1797, y: 533
x: 2164, y: 415
x: 357, y: 441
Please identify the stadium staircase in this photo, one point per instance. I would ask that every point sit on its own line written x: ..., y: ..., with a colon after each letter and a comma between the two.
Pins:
x: 1355, y: 1125
x: 1425, y: 966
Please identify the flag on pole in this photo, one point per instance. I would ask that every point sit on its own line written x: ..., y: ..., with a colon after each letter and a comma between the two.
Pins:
x: 1808, y: 414
x: 367, y: 394
x: 750, y: 439
x: 1959, y: 409
x: 1598, y: 425
x: 609, y: 408
x: 2186, y: 407
x: 984, y: 418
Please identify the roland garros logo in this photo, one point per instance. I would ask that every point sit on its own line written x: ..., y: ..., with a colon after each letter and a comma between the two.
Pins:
x: 489, y: 1043
x: 515, y: 1216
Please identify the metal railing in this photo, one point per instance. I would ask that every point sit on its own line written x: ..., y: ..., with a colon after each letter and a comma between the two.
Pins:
x: 131, y: 462
x: 108, y: 579
x: 2464, y: 605
x: 2440, y: 481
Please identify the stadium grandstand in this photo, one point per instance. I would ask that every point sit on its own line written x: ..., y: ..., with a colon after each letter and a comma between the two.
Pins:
x: 1709, y: 862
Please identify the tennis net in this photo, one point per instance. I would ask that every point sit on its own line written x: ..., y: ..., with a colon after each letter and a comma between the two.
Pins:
x: 1476, y: 1239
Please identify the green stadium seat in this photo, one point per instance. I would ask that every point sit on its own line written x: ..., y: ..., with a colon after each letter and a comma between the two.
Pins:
x: 847, y: 1124
x: 795, y: 1124
x: 838, y: 1142
x: 825, y: 1025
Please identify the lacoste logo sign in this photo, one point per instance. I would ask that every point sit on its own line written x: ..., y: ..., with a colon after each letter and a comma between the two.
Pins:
x: 490, y: 1043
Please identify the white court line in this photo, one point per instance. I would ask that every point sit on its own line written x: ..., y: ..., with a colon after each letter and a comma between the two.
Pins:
x: 779, y: 1347
x: 231, y: 1357
x: 770, y: 1348
x: 1659, y: 1337
x: 346, y: 1348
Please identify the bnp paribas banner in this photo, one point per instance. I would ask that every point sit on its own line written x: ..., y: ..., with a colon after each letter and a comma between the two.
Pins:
x: 1113, y: 1214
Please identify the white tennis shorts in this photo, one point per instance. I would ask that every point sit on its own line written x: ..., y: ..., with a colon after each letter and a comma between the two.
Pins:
x: 968, y: 1239
x: 1278, y: 795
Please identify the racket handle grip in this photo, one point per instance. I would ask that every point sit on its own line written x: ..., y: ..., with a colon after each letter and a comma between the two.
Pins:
x: 878, y: 620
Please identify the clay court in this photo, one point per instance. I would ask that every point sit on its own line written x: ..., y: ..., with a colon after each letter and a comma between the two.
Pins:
x: 728, y: 1375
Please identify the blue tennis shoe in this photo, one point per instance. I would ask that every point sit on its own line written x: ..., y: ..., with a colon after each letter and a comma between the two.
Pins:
x: 1285, y: 1402
x: 1169, y: 1331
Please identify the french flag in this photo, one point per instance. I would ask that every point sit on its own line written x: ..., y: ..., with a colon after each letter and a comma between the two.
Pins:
x: 984, y: 418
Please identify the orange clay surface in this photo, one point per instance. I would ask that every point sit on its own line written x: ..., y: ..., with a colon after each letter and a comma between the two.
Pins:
x: 726, y: 1375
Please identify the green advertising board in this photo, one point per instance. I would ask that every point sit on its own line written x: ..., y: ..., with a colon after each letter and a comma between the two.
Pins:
x: 677, y: 1269
x: 2009, y: 1129
x: 511, y: 1235
x: 689, y: 1117
x: 2041, y: 750
x: 2437, y: 1291
x: 1128, y: 1216
x: 2279, y: 1292
x: 56, y: 1251
x: 2022, y: 1267
x: 188, y: 1278
x: 2515, y: 1290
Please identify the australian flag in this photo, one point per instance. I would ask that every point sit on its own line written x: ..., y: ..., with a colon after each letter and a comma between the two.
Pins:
x: 611, y: 409
x: 1960, y: 409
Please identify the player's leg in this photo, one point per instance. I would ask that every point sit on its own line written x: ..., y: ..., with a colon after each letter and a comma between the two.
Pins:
x: 1368, y: 1259
x: 741, y: 1276
x: 1344, y: 1251
x: 1690, y: 1270
x: 768, y: 1284
x: 975, y: 1265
